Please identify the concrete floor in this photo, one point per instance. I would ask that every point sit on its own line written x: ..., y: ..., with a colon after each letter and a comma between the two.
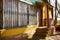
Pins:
x: 19, y: 37
x: 54, y: 37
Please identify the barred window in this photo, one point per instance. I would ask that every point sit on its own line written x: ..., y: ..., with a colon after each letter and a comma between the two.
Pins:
x: 32, y: 15
x: 10, y: 13
x: 27, y: 14
x: 22, y: 14
x: 18, y: 14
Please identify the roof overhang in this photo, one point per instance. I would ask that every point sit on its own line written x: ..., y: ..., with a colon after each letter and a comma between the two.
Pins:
x: 43, y: 3
x: 26, y: 2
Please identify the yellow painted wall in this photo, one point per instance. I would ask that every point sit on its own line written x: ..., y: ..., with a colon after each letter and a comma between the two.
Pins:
x: 30, y: 30
x: 44, y: 12
x: 11, y: 32
x: 1, y: 31
x: 50, y: 15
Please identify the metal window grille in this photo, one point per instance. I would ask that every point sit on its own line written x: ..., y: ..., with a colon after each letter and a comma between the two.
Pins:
x: 16, y: 14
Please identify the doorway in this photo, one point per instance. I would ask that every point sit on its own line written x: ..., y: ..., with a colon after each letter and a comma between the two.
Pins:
x: 40, y: 17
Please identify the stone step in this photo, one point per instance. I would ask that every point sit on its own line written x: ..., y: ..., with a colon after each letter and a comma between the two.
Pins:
x: 38, y: 37
x: 41, y: 33
x: 38, y: 29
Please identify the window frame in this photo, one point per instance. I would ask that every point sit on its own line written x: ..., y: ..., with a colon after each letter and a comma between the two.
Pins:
x: 17, y: 15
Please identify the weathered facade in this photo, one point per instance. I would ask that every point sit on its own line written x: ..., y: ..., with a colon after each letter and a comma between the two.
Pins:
x: 20, y: 16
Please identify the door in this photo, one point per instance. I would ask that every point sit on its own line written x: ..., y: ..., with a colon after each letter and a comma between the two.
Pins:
x: 40, y: 17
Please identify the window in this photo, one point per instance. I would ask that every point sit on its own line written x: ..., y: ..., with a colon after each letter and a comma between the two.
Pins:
x: 22, y: 14
x: 16, y: 14
x: 32, y: 15
x: 27, y: 14
x: 10, y: 13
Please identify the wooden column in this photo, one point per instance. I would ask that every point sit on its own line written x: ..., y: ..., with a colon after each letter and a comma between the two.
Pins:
x: 47, y: 17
